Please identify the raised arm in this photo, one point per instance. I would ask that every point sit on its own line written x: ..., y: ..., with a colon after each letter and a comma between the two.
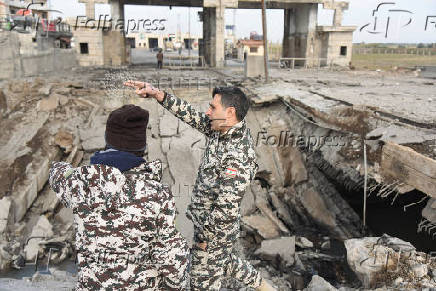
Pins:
x: 180, y: 108
x: 185, y: 112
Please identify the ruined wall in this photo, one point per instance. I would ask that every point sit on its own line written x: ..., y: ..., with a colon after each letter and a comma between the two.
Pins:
x: 335, y: 42
x: 19, y: 57
x: 94, y: 39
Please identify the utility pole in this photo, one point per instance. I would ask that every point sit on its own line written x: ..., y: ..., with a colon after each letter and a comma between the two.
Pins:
x: 265, y: 42
x: 189, y: 32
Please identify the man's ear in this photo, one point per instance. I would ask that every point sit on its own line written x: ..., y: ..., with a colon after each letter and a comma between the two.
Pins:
x: 231, y: 112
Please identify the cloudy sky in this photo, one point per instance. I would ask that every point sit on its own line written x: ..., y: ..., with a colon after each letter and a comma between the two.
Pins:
x: 407, y: 25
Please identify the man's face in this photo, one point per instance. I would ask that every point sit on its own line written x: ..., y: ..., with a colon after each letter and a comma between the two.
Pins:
x: 217, y: 113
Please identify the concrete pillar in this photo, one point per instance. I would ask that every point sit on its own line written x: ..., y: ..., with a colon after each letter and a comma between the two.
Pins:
x: 337, y: 18
x: 289, y: 33
x: 339, y: 8
x: 300, y: 31
x: 117, y: 9
x: 213, y: 35
x: 90, y: 10
x: 114, y: 40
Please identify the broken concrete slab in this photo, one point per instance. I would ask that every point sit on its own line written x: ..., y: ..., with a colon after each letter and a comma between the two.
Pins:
x: 25, y: 193
x: 319, y: 284
x: 261, y: 201
x: 94, y: 144
x: 303, y: 242
x: 262, y: 225
x: 402, y: 135
x: 5, y: 257
x: 63, y: 91
x: 264, y: 99
x: 403, y: 164
x: 295, y: 170
x: 283, y: 247
x: 168, y: 125
x: 317, y: 209
x: 45, y: 90
x: 92, y: 138
x: 48, y: 200
x: 23, y: 197
x: 65, y: 216
x: 48, y: 104
x: 63, y: 100
x: 23, y: 133
x: 248, y: 205
x: 369, y: 255
x: 281, y: 208
x: 42, y: 229
x: 5, y: 212
x: 3, y: 102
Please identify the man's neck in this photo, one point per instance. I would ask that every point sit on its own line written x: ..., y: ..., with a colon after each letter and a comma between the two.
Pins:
x: 226, y: 128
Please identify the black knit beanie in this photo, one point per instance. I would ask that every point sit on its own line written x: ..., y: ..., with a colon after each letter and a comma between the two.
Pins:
x: 126, y: 128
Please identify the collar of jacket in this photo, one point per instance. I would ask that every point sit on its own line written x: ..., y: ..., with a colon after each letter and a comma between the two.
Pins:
x: 148, y: 170
x: 236, y: 129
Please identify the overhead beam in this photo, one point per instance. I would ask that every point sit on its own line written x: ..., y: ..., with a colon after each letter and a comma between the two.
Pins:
x: 243, y: 4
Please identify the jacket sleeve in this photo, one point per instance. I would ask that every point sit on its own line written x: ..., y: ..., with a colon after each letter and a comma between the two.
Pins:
x: 65, y: 181
x: 169, y: 249
x: 185, y: 112
x: 235, y: 175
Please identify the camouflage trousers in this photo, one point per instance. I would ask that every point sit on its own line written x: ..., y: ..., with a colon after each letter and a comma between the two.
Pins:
x: 209, y: 267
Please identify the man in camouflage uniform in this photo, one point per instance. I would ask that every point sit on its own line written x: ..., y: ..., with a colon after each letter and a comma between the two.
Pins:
x: 227, y: 167
x: 125, y: 233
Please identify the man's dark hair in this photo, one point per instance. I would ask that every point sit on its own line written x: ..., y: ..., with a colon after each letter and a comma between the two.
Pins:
x: 233, y: 97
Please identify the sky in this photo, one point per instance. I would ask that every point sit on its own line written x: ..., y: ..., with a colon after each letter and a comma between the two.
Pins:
x: 405, y: 26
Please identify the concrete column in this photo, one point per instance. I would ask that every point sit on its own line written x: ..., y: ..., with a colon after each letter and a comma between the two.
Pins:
x: 339, y: 8
x: 213, y: 35
x: 117, y: 9
x: 114, y: 40
x: 337, y: 18
x: 90, y: 10
x: 289, y: 33
x: 300, y: 31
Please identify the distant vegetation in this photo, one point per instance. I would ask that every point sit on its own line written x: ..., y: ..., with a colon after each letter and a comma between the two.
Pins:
x: 388, y: 56
x: 394, y: 45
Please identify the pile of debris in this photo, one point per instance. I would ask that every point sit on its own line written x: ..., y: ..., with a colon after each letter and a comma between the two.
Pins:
x: 294, y: 260
x: 297, y: 229
x: 42, y: 121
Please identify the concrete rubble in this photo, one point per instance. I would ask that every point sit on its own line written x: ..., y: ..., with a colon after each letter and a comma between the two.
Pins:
x: 390, y: 261
x: 41, y: 122
x: 297, y: 226
x: 319, y: 284
x: 283, y: 247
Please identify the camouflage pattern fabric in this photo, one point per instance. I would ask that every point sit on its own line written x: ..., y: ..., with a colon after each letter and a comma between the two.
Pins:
x: 126, y: 238
x: 227, y: 167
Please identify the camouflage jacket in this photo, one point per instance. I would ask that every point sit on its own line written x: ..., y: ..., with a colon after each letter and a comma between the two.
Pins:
x: 226, y: 169
x: 125, y: 233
